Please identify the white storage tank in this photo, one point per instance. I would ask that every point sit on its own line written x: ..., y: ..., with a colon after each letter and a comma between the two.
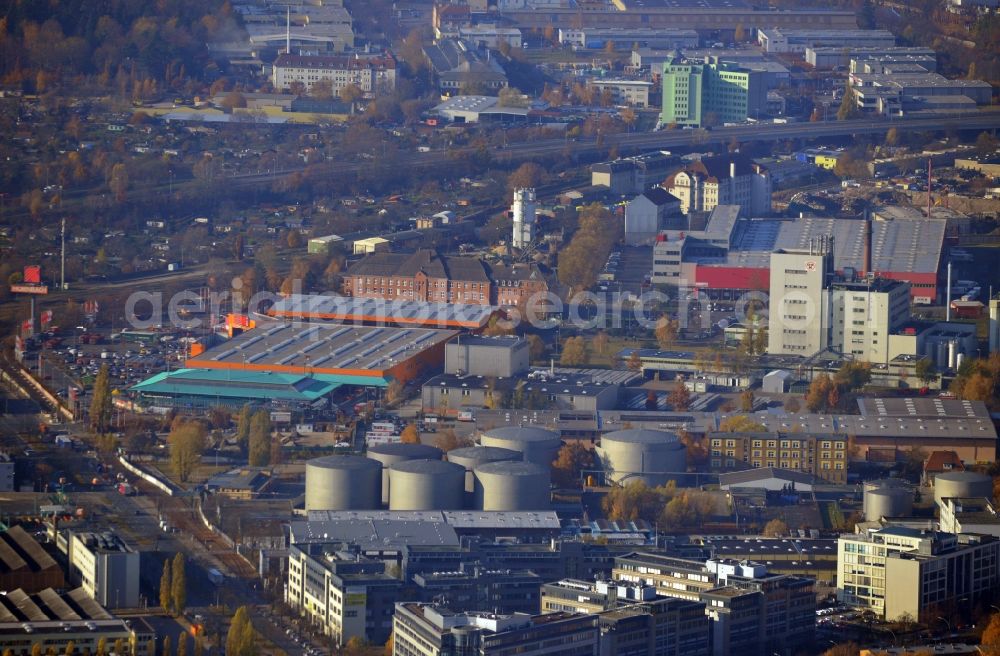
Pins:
x: 538, y: 445
x: 426, y: 485
x: 962, y: 484
x: 654, y: 456
x: 390, y: 454
x: 343, y: 483
x: 509, y: 485
x: 888, y: 502
x: 472, y: 456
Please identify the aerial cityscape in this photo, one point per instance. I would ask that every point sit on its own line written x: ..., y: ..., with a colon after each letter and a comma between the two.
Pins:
x: 499, y: 328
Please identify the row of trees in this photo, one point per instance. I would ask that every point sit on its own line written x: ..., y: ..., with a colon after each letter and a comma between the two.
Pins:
x: 667, y: 506
x: 173, y: 585
x: 255, y: 436
x: 828, y: 393
x: 595, y: 236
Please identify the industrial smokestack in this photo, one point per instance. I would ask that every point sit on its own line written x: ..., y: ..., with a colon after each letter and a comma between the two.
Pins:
x: 866, y: 267
x: 930, y: 165
x: 947, y: 304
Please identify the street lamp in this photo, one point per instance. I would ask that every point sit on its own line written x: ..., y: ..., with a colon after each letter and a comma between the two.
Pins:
x: 946, y: 622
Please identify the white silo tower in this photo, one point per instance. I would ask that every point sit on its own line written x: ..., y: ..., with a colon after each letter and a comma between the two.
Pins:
x: 524, y: 217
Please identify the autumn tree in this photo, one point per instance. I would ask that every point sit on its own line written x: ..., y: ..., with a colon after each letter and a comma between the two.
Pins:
x: 449, y: 440
x: 926, y: 370
x: 848, y: 105
x: 527, y: 175
x: 631, y: 501
x: 990, y: 640
x: 574, y: 352
x: 666, y: 332
x: 100, y: 403
x: 259, y: 440
x: 775, y: 528
x: 187, y: 442
x: 178, y: 585
x: 351, y: 93
x: 746, y: 401
x: 817, y: 398
x: 243, y: 426
x: 321, y: 89
x: 687, y: 509
x: 536, y: 348
x: 233, y: 100
x: 600, y: 342
x: 410, y: 435
x: 573, y: 459
x: 356, y: 646
x: 679, y: 397
x: 241, y: 638
x: 634, y: 362
x: 166, y: 591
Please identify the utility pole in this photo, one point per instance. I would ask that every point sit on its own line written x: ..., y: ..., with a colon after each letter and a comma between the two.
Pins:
x: 62, y: 263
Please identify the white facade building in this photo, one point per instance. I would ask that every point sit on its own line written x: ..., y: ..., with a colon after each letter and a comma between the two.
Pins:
x: 523, y: 211
x: 799, y: 307
x: 723, y: 180
x: 105, y: 567
x: 375, y: 76
x: 865, y: 313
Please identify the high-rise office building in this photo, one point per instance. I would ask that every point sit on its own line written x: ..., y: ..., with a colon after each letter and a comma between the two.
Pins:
x: 710, y: 92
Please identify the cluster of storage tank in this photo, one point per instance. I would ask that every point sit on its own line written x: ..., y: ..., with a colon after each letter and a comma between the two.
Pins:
x: 963, y: 485
x: 510, y: 470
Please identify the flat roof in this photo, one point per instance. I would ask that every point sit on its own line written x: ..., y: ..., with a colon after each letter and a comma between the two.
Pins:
x: 241, y: 384
x: 363, y: 351
x: 350, y: 309
x: 922, y: 407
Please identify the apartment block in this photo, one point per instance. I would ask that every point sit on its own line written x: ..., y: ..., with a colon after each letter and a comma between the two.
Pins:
x: 659, y: 627
x: 824, y: 455
x: 342, y: 594
x: 711, y: 92
x: 481, y: 589
x: 895, y: 570
x: 105, y: 567
x: 577, y: 596
x: 430, y: 630
x: 668, y: 576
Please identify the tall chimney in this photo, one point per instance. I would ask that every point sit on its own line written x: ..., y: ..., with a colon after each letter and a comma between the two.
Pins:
x: 866, y: 268
x: 930, y: 164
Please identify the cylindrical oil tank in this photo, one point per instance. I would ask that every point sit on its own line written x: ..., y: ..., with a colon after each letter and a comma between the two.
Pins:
x: 426, y: 485
x: 472, y: 456
x: 343, y: 483
x: 880, y: 484
x: 511, y: 485
x: 653, y: 456
x: 888, y: 502
x: 952, y: 351
x: 390, y: 454
x: 962, y: 484
x: 959, y: 359
x: 537, y: 445
x: 942, y: 355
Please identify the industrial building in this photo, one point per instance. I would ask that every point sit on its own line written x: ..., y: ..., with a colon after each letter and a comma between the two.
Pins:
x: 926, y: 569
x: 430, y: 630
x: 206, y: 388
x: 448, y: 394
x: 652, y: 456
x: 798, y: 304
x: 651, y: 211
x: 244, y: 483
x: 105, y: 567
x: 70, y: 618
x: 622, y: 92
x: 354, y: 355
x: 768, y: 478
x: 774, y: 73
x: 474, y: 588
x: 836, y: 55
x: 633, y: 175
x: 774, y: 40
x: 596, y: 38
x: 710, y: 92
x: 640, y: 628
x: 382, y: 311
x: 458, y: 64
x: 25, y: 565
x: 501, y: 356
x: 902, y: 91
x: 736, y: 255
x: 340, y: 594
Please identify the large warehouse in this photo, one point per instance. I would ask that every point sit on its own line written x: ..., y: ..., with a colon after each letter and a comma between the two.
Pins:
x: 378, y: 311
x: 738, y: 257
x: 295, y: 364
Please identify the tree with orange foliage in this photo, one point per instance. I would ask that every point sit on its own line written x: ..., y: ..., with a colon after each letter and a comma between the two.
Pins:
x: 410, y: 435
x: 573, y: 458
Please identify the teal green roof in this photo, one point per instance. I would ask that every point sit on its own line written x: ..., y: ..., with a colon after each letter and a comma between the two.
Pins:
x: 242, y: 384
